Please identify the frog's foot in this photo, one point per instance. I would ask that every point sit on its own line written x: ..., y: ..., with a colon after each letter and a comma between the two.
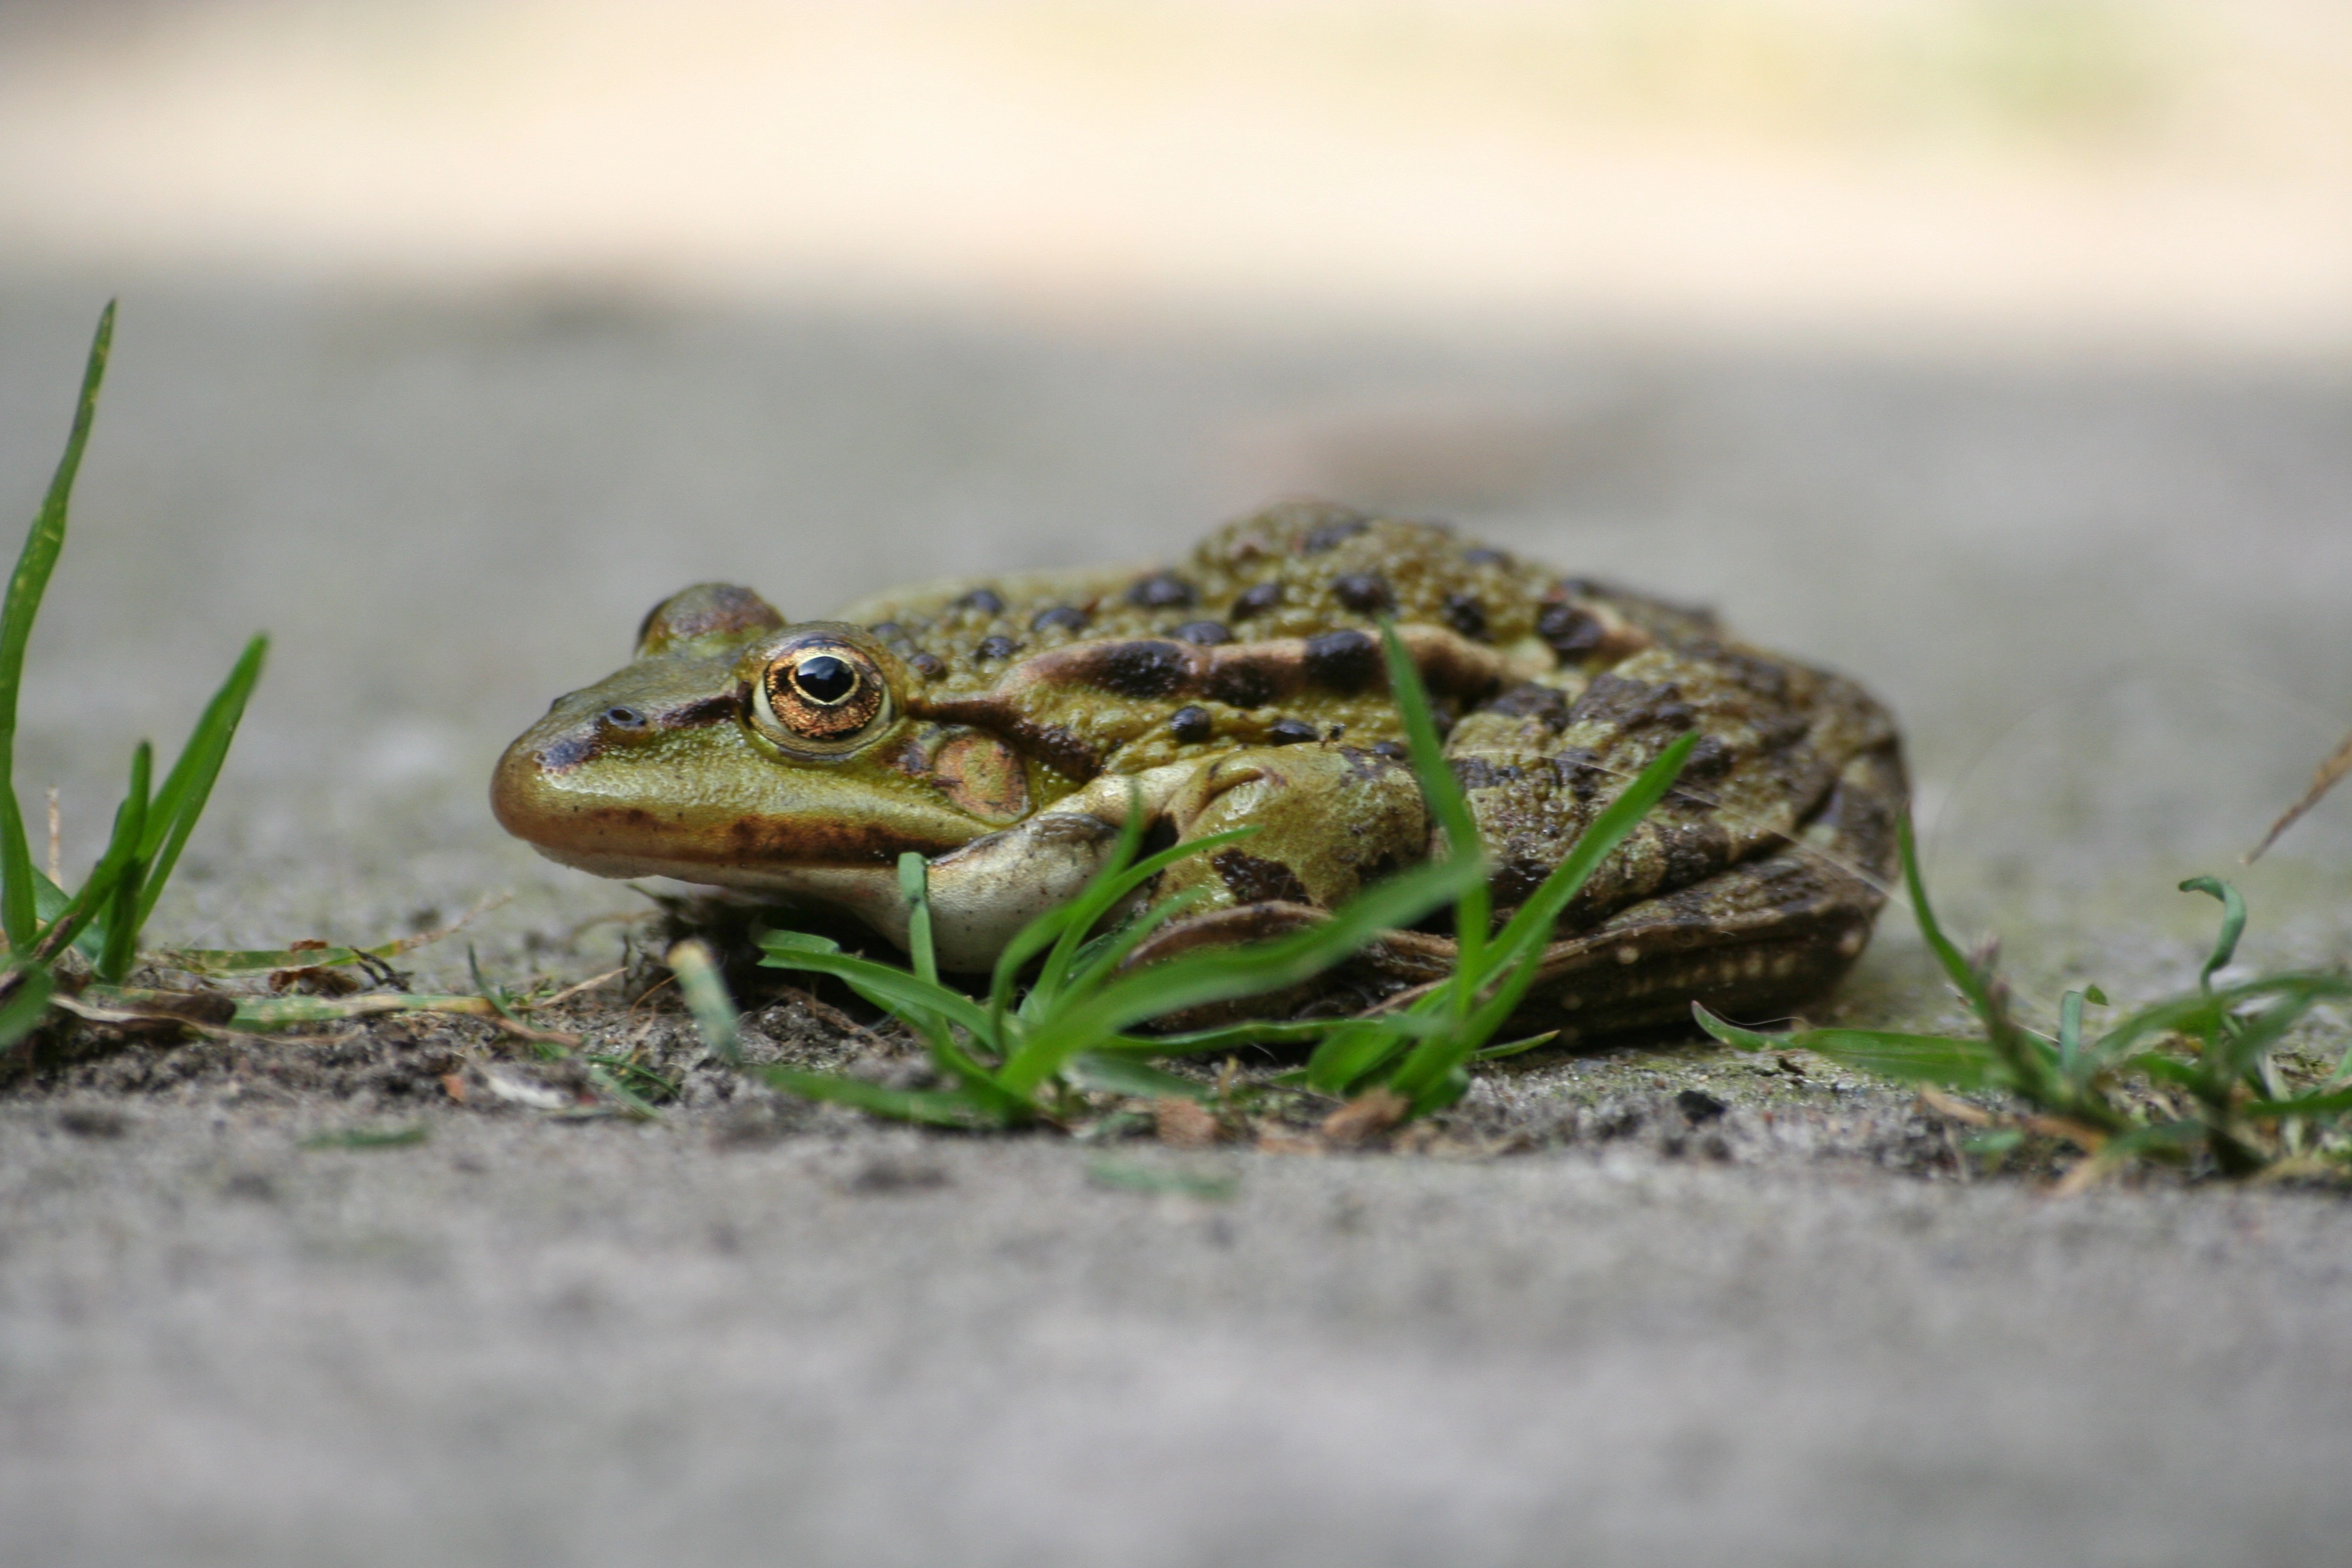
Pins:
x: 1753, y: 940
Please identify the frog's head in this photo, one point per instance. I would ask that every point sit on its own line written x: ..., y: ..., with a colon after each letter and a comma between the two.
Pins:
x: 737, y: 750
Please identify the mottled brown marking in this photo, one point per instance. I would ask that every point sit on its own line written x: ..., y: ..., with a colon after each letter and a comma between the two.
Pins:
x: 1254, y: 880
x: 722, y: 709
x: 1138, y: 669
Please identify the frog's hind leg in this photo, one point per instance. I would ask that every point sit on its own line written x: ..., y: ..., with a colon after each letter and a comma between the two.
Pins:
x: 1755, y: 938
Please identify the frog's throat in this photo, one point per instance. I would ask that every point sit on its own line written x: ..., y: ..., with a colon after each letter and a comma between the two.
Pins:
x: 981, y: 893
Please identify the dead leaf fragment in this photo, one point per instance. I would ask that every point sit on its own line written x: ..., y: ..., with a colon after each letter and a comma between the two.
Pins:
x: 1367, y: 1116
x: 1185, y: 1124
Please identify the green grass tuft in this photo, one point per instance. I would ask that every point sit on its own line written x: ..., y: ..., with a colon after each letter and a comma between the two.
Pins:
x: 2190, y: 1079
x: 93, y: 931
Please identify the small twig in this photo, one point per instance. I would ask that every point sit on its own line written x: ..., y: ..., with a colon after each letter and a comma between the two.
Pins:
x: 569, y: 991
x: 2087, y: 1172
x: 1959, y: 1110
x: 2337, y: 764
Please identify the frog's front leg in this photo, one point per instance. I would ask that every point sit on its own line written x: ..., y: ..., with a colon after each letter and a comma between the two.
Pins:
x: 1328, y: 821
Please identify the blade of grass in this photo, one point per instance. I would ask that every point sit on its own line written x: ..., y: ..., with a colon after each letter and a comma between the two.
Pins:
x: 27, y: 587
x: 1957, y: 968
x: 885, y: 985
x: 1233, y: 1036
x: 189, y: 786
x: 707, y: 999
x: 121, y: 850
x: 122, y: 908
x: 1520, y: 946
x: 939, y: 1107
x: 1447, y: 805
x: 907, y: 996
x: 1124, y: 1075
x: 2233, y: 925
x: 1436, y: 1060
x: 1965, y: 1065
x: 26, y: 1005
x: 1198, y: 979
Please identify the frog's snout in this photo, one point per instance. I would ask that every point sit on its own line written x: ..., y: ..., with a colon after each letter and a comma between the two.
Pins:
x: 533, y: 793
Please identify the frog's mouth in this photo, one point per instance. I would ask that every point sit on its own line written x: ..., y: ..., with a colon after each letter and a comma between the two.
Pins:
x: 705, y: 807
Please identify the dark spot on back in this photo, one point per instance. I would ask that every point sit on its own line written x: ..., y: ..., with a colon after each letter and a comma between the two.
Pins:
x: 1631, y: 705
x: 1205, y: 634
x: 1571, y: 633
x: 1466, y: 615
x: 1254, y: 880
x: 1323, y: 536
x: 1241, y: 683
x: 1710, y: 758
x: 1477, y: 773
x: 1479, y: 555
x: 1256, y: 600
x: 1061, y: 618
x: 888, y: 631
x: 1190, y: 725
x: 1289, y: 731
x: 1534, y: 699
x: 925, y: 665
x: 622, y: 716
x: 985, y: 600
x: 996, y: 647
x: 1343, y: 661
x: 1142, y: 669
x: 1395, y: 751
x: 1366, y: 592
x: 1161, y: 591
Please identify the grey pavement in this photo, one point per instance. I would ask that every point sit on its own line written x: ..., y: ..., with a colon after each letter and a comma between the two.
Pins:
x: 2107, y: 598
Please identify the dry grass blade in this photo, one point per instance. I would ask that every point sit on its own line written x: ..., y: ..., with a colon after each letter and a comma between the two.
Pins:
x: 2338, y: 763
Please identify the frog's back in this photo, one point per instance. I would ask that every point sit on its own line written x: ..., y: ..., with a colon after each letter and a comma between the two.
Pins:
x: 1756, y: 881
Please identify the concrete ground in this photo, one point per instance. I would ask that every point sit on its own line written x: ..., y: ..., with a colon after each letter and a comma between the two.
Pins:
x: 1590, y: 1324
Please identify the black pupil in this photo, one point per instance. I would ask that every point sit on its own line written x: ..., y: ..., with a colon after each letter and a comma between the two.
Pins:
x: 824, y: 678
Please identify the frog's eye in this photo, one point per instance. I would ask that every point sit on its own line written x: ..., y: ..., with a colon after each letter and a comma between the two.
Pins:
x: 821, y: 695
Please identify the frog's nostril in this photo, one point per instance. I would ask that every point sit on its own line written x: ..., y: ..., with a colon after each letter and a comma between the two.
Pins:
x: 624, y: 718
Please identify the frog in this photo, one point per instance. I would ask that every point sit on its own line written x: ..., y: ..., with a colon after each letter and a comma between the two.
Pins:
x: 1008, y: 728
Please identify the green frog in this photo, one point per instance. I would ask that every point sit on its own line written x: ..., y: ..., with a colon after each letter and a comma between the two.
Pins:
x: 1004, y: 728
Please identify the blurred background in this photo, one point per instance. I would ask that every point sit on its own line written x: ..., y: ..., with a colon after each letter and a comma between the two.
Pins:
x: 1993, y: 351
